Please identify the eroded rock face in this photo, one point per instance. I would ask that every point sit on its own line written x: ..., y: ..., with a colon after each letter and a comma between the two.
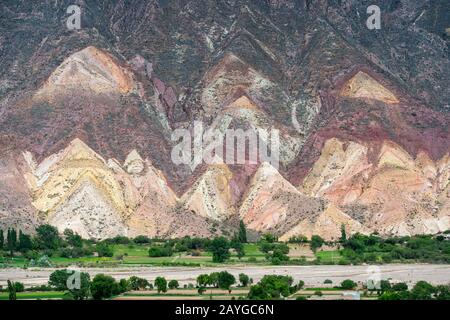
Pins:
x: 89, y: 70
x: 328, y: 224
x: 363, y: 131
x: 362, y: 85
x: 392, y: 193
x: 77, y: 189
x: 211, y: 196
x: 16, y: 210
x: 88, y: 212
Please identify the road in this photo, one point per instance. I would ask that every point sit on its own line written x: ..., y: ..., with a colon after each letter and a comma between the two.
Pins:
x: 312, y: 275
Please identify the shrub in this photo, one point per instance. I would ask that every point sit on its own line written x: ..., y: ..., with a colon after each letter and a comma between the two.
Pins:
x: 161, y: 284
x: 136, y: 283
x: 19, y: 287
x: 244, y: 279
x: 271, y: 287
x: 348, y: 284
x: 173, y: 284
x: 201, y: 290
x: 316, y: 242
x: 104, y: 250
x: 103, y: 287
x: 401, y: 286
x: 159, y: 251
x: 220, y: 249
x: 142, y: 240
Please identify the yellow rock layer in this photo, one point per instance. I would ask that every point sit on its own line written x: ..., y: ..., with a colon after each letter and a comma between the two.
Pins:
x: 364, y: 86
x: 89, y: 69
x: 211, y: 195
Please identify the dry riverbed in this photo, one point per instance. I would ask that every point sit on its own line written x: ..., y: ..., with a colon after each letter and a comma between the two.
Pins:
x: 312, y: 275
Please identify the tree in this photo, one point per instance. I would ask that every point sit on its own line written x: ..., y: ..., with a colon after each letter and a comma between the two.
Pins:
x: 300, y: 284
x: 80, y: 290
x: 25, y: 243
x: 141, y: 240
x: 343, y: 238
x: 268, y: 237
x: 316, y: 242
x: 2, y: 239
x: 161, y: 284
x: 201, y: 290
x: 328, y: 281
x: 19, y: 287
x: 348, y: 284
x: 173, y: 284
x: 389, y: 295
x: 104, y: 250
x: 124, y: 285
x: 77, y: 283
x: 11, y: 239
x: 58, y: 279
x: 11, y: 291
x: 272, y: 287
x: 442, y: 292
x: 103, y: 287
x: 239, y: 249
x: 220, y: 249
x: 225, y: 280
x: 73, y: 239
x: 401, y: 286
x: 214, y: 279
x: 136, y: 283
x: 160, y: 251
x: 385, y: 285
x: 203, y: 280
x: 244, y: 279
x: 47, y: 237
x: 242, y: 232
x: 422, y: 290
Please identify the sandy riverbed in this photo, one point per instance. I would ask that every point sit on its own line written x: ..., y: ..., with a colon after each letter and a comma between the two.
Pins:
x: 312, y: 275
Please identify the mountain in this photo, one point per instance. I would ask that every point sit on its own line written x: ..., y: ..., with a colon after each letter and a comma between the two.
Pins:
x: 87, y: 116
x: 386, y: 190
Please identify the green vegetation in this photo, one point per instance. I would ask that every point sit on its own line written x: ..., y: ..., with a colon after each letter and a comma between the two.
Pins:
x: 242, y: 232
x: 272, y: 287
x: 316, y: 242
x: 276, y: 253
x: 160, y: 251
x: 11, y: 291
x: 225, y: 280
x: 49, y: 249
x: 104, y: 287
x: 422, y: 290
x: 136, y: 283
x: 69, y: 285
x: 244, y: 279
x: 173, y: 284
x: 374, y: 249
x: 219, y: 248
x: 348, y: 284
x: 161, y: 284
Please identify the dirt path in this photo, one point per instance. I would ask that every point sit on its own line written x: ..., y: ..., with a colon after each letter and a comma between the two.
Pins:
x: 312, y: 275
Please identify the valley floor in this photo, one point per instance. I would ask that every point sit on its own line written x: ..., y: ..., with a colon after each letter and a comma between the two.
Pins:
x: 311, y: 275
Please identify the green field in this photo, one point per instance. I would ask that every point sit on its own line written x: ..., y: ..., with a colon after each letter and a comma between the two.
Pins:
x: 328, y: 257
x: 34, y: 295
x: 138, y: 255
